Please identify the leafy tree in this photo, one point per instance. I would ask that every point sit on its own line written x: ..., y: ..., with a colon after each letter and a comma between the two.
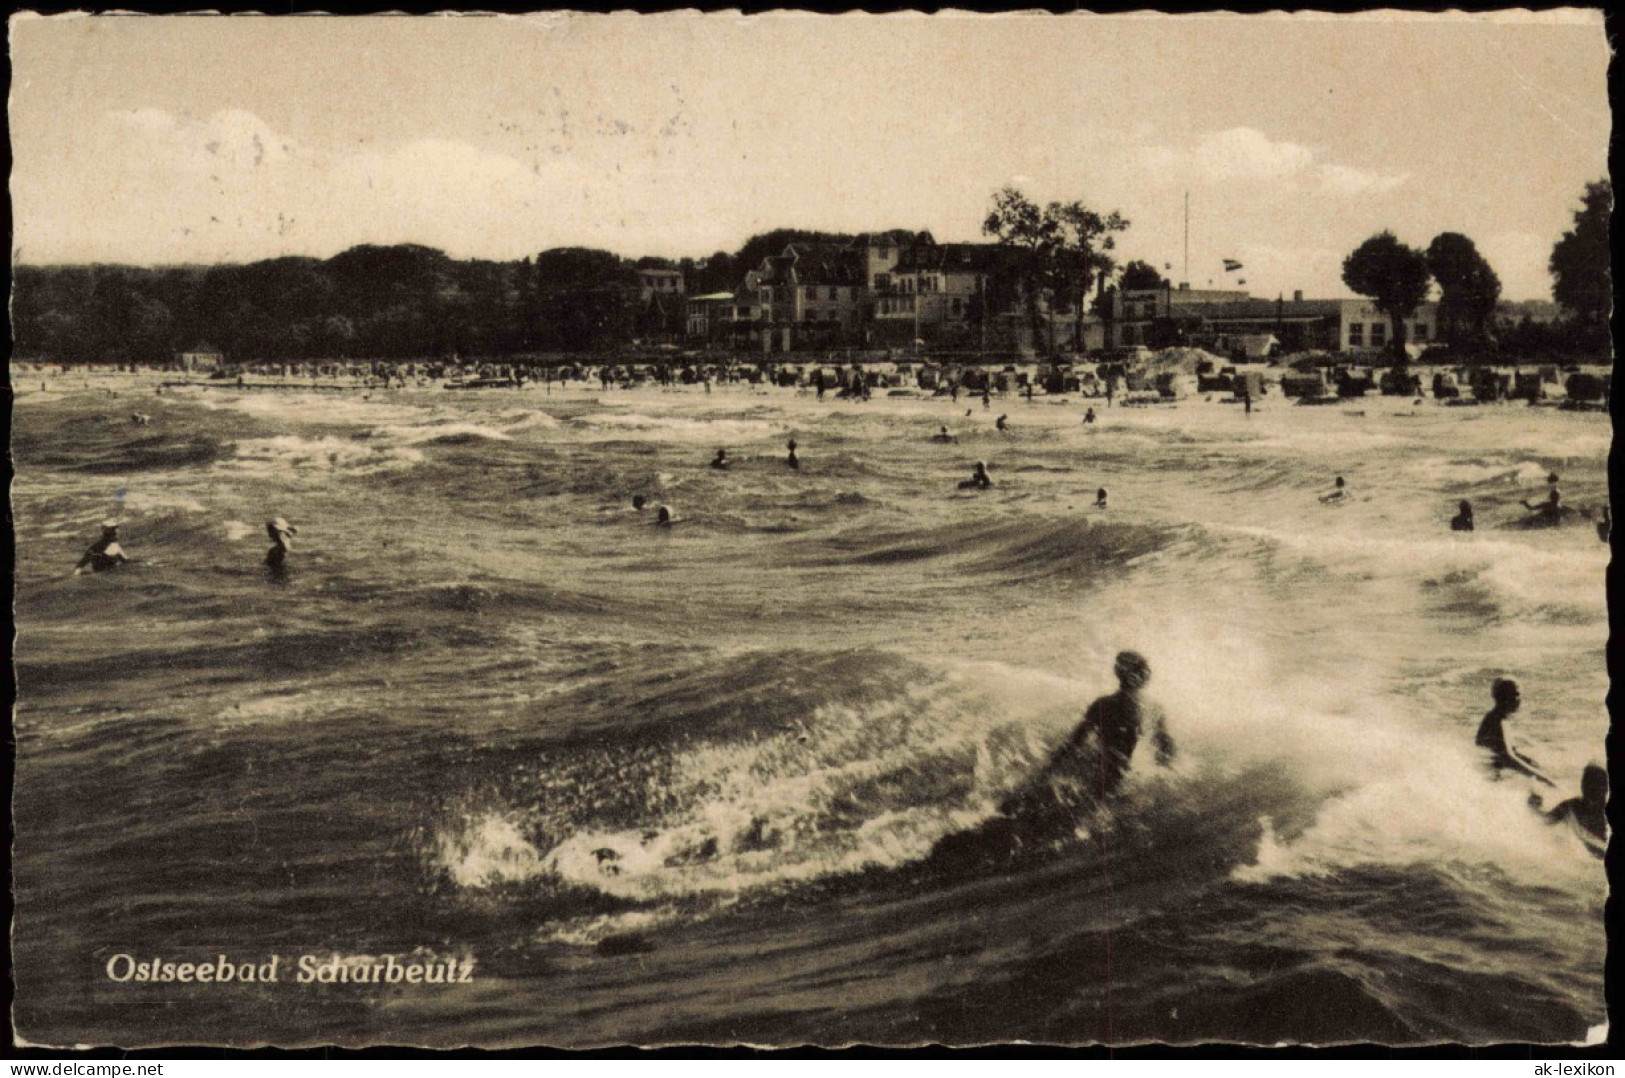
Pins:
x: 1139, y: 276
x: 1032, y: 236
x: 1083, y: 240
x: 1469, y: 288
x: 1582, y: 280
x: 1394, y: 276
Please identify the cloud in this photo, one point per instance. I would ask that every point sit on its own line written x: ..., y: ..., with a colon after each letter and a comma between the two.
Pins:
x: 229, y: 186
x: 1341, y: 180
x: 1245, y: 155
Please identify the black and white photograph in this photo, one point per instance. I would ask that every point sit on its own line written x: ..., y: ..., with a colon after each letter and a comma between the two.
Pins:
x: 587, y: 530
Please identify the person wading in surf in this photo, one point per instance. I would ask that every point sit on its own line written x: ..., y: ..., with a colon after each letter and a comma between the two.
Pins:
x: 281, y: 533
x: 1117, y: 721
x: 1492, y: 735
x: 1590, y: 809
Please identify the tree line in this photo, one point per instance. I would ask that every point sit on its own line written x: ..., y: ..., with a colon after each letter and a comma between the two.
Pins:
x: 1398, y: 279
x: 409, y: 301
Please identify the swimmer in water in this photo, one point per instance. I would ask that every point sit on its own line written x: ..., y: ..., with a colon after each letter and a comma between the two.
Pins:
x: 987, y: 401
x: 663, y: 516
x: 104, y: 553
x: 639, y: 501
x: 1002, y: 423
x: 281, y: 533
x: 1089, y: 416
x: 942, y: 435
x: 1492, y: 733
x: 1549, y: 510
x: 979, y: 479
x: 1590, y: 809
x: 1118, y: 721
x: 1100, y: 498
x: 1339, y: 493
x: 1605, y: 526
x: 720, y: 460
x: 1463, y: 520
x: 791, y: 459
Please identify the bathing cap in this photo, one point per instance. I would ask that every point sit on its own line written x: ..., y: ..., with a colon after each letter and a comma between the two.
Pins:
x: 1131, y: 664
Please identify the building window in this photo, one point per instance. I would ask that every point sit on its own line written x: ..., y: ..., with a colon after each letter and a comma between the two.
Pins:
x: 1356, y: 335
x: 1379, y: 334
x: 882, y: 281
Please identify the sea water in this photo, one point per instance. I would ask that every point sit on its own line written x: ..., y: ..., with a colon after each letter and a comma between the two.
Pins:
x: 675, y: 784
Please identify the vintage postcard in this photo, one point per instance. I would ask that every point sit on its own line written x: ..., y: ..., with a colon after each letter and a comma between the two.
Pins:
x: 585, y: 530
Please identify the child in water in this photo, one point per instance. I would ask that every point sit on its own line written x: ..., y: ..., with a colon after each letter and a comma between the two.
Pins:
x: 1463, y: 520
x: 104, y: 553
x: 1492, y: 733
x: 281, y: 533
x: 979, y: 479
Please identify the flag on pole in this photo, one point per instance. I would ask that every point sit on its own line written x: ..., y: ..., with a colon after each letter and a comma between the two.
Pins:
x: 1231, y: 265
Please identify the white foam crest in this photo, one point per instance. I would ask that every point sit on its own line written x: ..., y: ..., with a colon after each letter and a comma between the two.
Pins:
x: 1397, y: 788
x: 295, y: 407
x: 418, y: 434
x: 1527, y: 577
x: 146, y: 499
x: 486, y: 850
x: 526, y: 419
x: 289, y: 453
x: 237, y: 531
x: 637, y: 425
x: 758, y: 812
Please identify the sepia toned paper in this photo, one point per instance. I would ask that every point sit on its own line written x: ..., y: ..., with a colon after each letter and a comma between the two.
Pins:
x: 586, y: 530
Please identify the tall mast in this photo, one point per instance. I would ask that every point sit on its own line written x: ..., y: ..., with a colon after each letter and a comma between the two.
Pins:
x: 1187, y: 235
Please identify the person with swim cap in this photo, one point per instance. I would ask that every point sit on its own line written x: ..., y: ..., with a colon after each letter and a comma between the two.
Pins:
x: 720, y: 460
x: 1338, y: 493
x: 104, y: 553
x: 1463, y: 520
x: 1118, y: 721
x: 1492, y: 733
x: 1589, y: 811
x: 1100, y: 498
x: 281, y: 533
x: 663, y: 516
x: 791, y: 459
x: 979, y: 479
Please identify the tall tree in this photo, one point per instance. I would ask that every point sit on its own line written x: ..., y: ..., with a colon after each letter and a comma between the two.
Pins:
x: 1393, y: 275
x: 1139, y: 276
x: 1032, y: 236
x: 1582, y: 280
x: 1469, y: 288
x: 1083, y: 242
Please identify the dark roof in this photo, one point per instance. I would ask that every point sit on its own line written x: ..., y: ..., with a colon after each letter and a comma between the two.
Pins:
x: 951, y: 258
x: 824, y: 263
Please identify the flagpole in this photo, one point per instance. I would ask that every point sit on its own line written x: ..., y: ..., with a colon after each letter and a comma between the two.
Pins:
x: 1187, y: 235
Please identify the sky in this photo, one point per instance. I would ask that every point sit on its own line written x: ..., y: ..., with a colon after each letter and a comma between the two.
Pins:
x: 160, y: 140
